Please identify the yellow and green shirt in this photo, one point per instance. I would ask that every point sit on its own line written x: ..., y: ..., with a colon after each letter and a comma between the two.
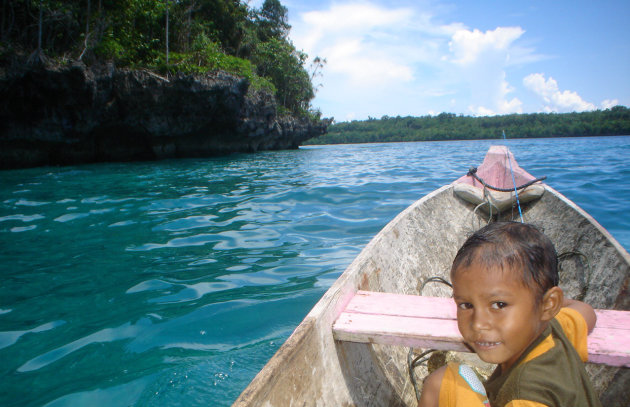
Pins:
x: 549, y: 374
x: 551, y: 371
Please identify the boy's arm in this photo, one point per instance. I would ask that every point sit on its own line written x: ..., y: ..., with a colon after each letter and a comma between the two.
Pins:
x: 583, y: 308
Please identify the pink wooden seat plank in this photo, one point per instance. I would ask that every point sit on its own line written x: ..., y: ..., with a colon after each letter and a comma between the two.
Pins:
x: 398, y: 330
x: 371, y: 302
x: 431, y: 322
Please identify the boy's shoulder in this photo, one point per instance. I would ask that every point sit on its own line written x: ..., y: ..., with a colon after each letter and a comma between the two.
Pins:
x: 574, y: 327
x: 549, y: 371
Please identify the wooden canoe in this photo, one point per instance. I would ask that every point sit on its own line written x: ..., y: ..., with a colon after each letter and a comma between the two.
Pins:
x: 313, y: 369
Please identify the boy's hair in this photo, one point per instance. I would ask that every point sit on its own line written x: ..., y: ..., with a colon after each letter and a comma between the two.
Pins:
x: 512, y: 246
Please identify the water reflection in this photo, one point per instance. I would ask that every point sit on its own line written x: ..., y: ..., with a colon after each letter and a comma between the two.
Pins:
x: 173, y: 282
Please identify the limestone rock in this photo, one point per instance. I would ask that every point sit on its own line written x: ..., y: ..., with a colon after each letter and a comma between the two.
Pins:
x: 75, y: 114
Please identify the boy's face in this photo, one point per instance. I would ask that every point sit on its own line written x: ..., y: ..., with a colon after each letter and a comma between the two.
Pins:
x: 496, y: 313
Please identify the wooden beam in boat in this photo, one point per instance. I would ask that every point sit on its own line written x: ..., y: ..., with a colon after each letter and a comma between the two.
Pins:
x: 431, y: 322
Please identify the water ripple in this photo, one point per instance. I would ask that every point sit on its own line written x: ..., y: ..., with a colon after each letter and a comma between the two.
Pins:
x: 173, y: 282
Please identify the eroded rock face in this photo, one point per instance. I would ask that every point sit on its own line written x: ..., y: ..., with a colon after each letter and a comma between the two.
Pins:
x: 76, y: 114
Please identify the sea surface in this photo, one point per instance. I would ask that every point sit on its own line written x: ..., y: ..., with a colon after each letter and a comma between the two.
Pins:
x: 172, y: 283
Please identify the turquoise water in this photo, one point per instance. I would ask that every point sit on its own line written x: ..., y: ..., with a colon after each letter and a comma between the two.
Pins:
x: 172, y: 283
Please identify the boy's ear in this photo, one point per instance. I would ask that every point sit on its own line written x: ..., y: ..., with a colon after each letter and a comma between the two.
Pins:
x: 552, y: 302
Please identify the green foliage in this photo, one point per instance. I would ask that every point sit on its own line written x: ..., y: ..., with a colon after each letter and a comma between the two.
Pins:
x: 448, y: 126
x: 222, y: 20
x: 110, y: 49
x: 280, y: 62
x: 207, y: 57
x: 203, y: 36
x: 272, y: 21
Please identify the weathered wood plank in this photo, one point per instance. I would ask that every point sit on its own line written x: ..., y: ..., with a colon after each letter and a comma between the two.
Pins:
x: 370, y: 302
x: 431, y: 322
x: 399, y: 330
x: 610, y: 346
x: 607, y: 318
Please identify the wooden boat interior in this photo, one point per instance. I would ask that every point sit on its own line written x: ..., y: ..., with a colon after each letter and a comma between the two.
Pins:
x: 314, y: 369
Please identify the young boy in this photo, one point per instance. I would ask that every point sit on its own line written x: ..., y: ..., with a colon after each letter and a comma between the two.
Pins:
x: 512, y: 313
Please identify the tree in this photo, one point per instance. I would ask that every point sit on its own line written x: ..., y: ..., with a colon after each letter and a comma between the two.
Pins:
x: 38, y: 57
x: 87, y: 29
x: 223, y: 22
x: 449, y: 126
x: 273, y: 21
x: 189, y: 36
x: 280, y: 62
x: 316, y: 70
x: 166, y: 32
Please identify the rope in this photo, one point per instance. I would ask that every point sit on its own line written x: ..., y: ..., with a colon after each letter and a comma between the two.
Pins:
x: 587, y: 275
x: 473, y: 173
x: 412, y: 361
x: 518, y: 203
x: 435, y: 280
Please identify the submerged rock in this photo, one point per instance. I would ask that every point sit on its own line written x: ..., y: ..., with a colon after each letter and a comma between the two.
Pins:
x: 74, y: 114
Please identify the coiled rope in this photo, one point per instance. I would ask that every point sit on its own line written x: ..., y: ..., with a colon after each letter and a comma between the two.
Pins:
x: 586, y: 275
x: 473, y: 173
x: 423, y: 357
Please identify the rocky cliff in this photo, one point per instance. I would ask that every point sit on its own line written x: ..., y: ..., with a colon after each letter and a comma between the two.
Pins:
x: 74, y: 114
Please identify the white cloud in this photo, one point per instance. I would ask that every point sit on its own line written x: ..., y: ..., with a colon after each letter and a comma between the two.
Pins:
x: 384, y: 60
x: 381, y: 60
x: 608, y: 103
x: 469, y: 46
x: 357, y: 16
x: 365, y: 66
x: 482, y: 58
x: 499, y: 102
x: 389, y: 60
x: 359, y: 41
x: 555, y: 99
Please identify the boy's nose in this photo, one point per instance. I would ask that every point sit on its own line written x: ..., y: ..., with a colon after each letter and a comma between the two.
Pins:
x: 480, y: 320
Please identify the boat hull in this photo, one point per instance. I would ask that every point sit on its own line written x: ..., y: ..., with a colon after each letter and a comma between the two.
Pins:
x: 313, y: 369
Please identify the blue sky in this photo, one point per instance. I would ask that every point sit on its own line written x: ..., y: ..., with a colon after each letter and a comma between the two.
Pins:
x: 478, y: 58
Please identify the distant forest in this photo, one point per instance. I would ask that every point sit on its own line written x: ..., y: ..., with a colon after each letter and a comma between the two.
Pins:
x: 448, y: 126
x: 164, y: 36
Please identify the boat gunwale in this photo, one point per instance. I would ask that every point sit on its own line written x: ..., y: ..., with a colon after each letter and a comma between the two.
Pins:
x: 336, y: 297
x: 319, y: 319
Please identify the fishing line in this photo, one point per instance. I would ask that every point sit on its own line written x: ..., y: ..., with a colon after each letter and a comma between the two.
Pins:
x: 518, y: 203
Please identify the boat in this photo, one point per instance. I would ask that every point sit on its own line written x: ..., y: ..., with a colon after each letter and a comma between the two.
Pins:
x: 313, y: 369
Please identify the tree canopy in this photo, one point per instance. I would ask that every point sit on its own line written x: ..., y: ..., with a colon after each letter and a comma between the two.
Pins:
x: 448, y: 126
x: 169, y: 36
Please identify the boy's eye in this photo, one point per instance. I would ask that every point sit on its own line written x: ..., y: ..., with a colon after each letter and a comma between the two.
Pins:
x: 464, y: 305
x: 499, y: 305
